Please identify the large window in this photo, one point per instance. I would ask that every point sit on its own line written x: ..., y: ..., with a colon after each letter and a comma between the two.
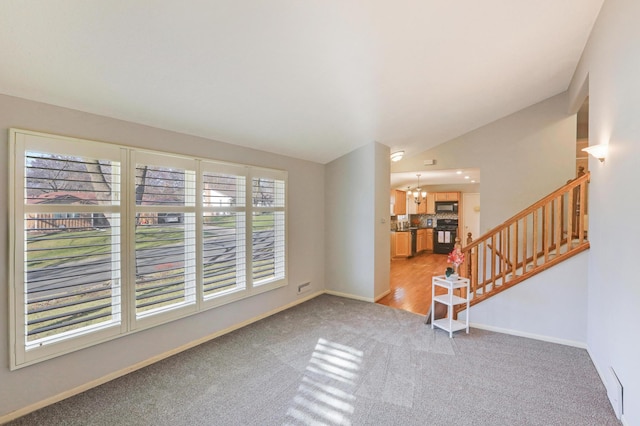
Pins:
x: 108, y: 239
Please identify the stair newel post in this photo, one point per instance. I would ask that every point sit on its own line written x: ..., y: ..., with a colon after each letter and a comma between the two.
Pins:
x: 466, y: 265
x: 461, y: 272
x: 570, y: 219
x: 463, y: 268
x: 458, y: 246
x: 583, y: 226
x: 471, y: 264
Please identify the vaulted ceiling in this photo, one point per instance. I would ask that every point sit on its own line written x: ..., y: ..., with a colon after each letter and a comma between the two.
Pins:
x: 304, y: 78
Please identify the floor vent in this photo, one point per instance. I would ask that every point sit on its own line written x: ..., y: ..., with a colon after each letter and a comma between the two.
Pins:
x: 304, y: 287
x: 614, y: 391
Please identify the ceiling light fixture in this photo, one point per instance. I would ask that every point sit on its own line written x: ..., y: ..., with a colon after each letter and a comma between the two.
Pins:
x: 599, y: 151
x: 459, y: 172
x: 418, y: 194
x: 397, y: 156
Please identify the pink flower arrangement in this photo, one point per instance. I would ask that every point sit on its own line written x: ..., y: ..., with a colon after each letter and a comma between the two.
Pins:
x: 456, y: 257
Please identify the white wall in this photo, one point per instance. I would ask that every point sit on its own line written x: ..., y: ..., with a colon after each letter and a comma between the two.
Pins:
x: 357, y: 242
x: 521, y: 158
x: 610, y: 72
x: 550, y: 306
x: 30, y: 385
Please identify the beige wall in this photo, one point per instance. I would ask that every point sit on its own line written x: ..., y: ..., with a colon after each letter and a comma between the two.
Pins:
x: 609, y: 72
x: 521, y: 158
x: 29, y: 385
x: 381, y: 221
x: 357, y: 241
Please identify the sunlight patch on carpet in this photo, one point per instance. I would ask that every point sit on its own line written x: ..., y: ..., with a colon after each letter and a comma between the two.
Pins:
x: 326, y: 393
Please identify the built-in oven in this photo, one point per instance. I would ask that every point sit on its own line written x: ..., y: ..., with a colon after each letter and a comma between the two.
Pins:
x: 444, y: 236
x: 446, y: 207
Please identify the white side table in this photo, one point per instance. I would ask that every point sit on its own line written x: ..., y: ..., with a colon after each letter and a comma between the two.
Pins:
x: 449, y: 299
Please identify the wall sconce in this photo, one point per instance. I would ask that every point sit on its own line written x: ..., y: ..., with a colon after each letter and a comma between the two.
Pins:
x: 598, y: 151
x: 397, y: 156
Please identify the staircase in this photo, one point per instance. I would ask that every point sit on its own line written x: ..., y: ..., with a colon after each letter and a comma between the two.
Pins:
x: 544, y: 234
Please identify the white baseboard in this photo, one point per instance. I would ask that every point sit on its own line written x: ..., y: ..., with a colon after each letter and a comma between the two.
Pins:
x: 605, y: 382
x: 349, y: 296
x: 382, y: 295
x: 104, y: 379
x: 574, y: 343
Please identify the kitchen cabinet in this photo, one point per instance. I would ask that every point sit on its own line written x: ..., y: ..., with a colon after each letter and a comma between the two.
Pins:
x: 422, y: 207
x: 430, y: 205
x: 401, y: 244
x: 421, y: 240
x: 427, y: 206
x: 399, y: 202
x: 412, y: 207
x: 424, y: 240
x: 447, y: 196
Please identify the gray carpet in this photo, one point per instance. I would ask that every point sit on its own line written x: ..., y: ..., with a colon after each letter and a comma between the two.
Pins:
x: 336, y: 361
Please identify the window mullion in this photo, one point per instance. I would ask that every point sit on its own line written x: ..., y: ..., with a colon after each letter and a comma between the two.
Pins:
x: 199, y: 241
x: 191, y: 184
x: 17, y: 239
x: 118, y: 246
x: 130, y: 235
x: 249, y: 230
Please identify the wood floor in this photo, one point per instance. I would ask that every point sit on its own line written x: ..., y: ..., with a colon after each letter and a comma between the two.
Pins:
x: 411, y: 282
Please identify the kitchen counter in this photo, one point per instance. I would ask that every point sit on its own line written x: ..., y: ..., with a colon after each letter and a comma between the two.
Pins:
x: 409, y: 229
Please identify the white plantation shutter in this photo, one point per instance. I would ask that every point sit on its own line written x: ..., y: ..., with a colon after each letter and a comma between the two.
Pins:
x: 165, y: 234
x: 268, y: 258
x: 67, y: 226
x: 107, y: 240
x: 224, y: 229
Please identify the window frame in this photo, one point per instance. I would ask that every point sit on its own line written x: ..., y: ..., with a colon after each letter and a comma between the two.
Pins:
x: 268, y: 174
x: 237, y: 293
x: 146, y: 320
x: 21, y: 141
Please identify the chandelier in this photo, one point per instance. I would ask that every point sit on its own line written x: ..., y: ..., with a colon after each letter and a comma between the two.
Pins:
x: 418, y: 194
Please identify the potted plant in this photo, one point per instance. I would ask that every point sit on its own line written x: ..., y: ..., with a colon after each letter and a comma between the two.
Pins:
x: 456, y: 257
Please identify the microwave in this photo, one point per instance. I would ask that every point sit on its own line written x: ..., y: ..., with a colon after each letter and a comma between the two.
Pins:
x: 446, y: 207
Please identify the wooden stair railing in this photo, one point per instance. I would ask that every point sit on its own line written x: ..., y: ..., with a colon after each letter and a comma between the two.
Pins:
x: 546, y: 233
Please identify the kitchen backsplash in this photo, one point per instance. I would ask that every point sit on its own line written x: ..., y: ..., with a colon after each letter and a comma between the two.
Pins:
x: 421, y: 220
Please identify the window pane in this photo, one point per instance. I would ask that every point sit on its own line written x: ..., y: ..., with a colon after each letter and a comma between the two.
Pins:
x: 65, y: 179
x: 268, y: 246
x: 165, y: 261
x: 223, y: 190
x: 164, y: 186
x: 72, y: 279
x: 268, y: 192
x: 223, y: 253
